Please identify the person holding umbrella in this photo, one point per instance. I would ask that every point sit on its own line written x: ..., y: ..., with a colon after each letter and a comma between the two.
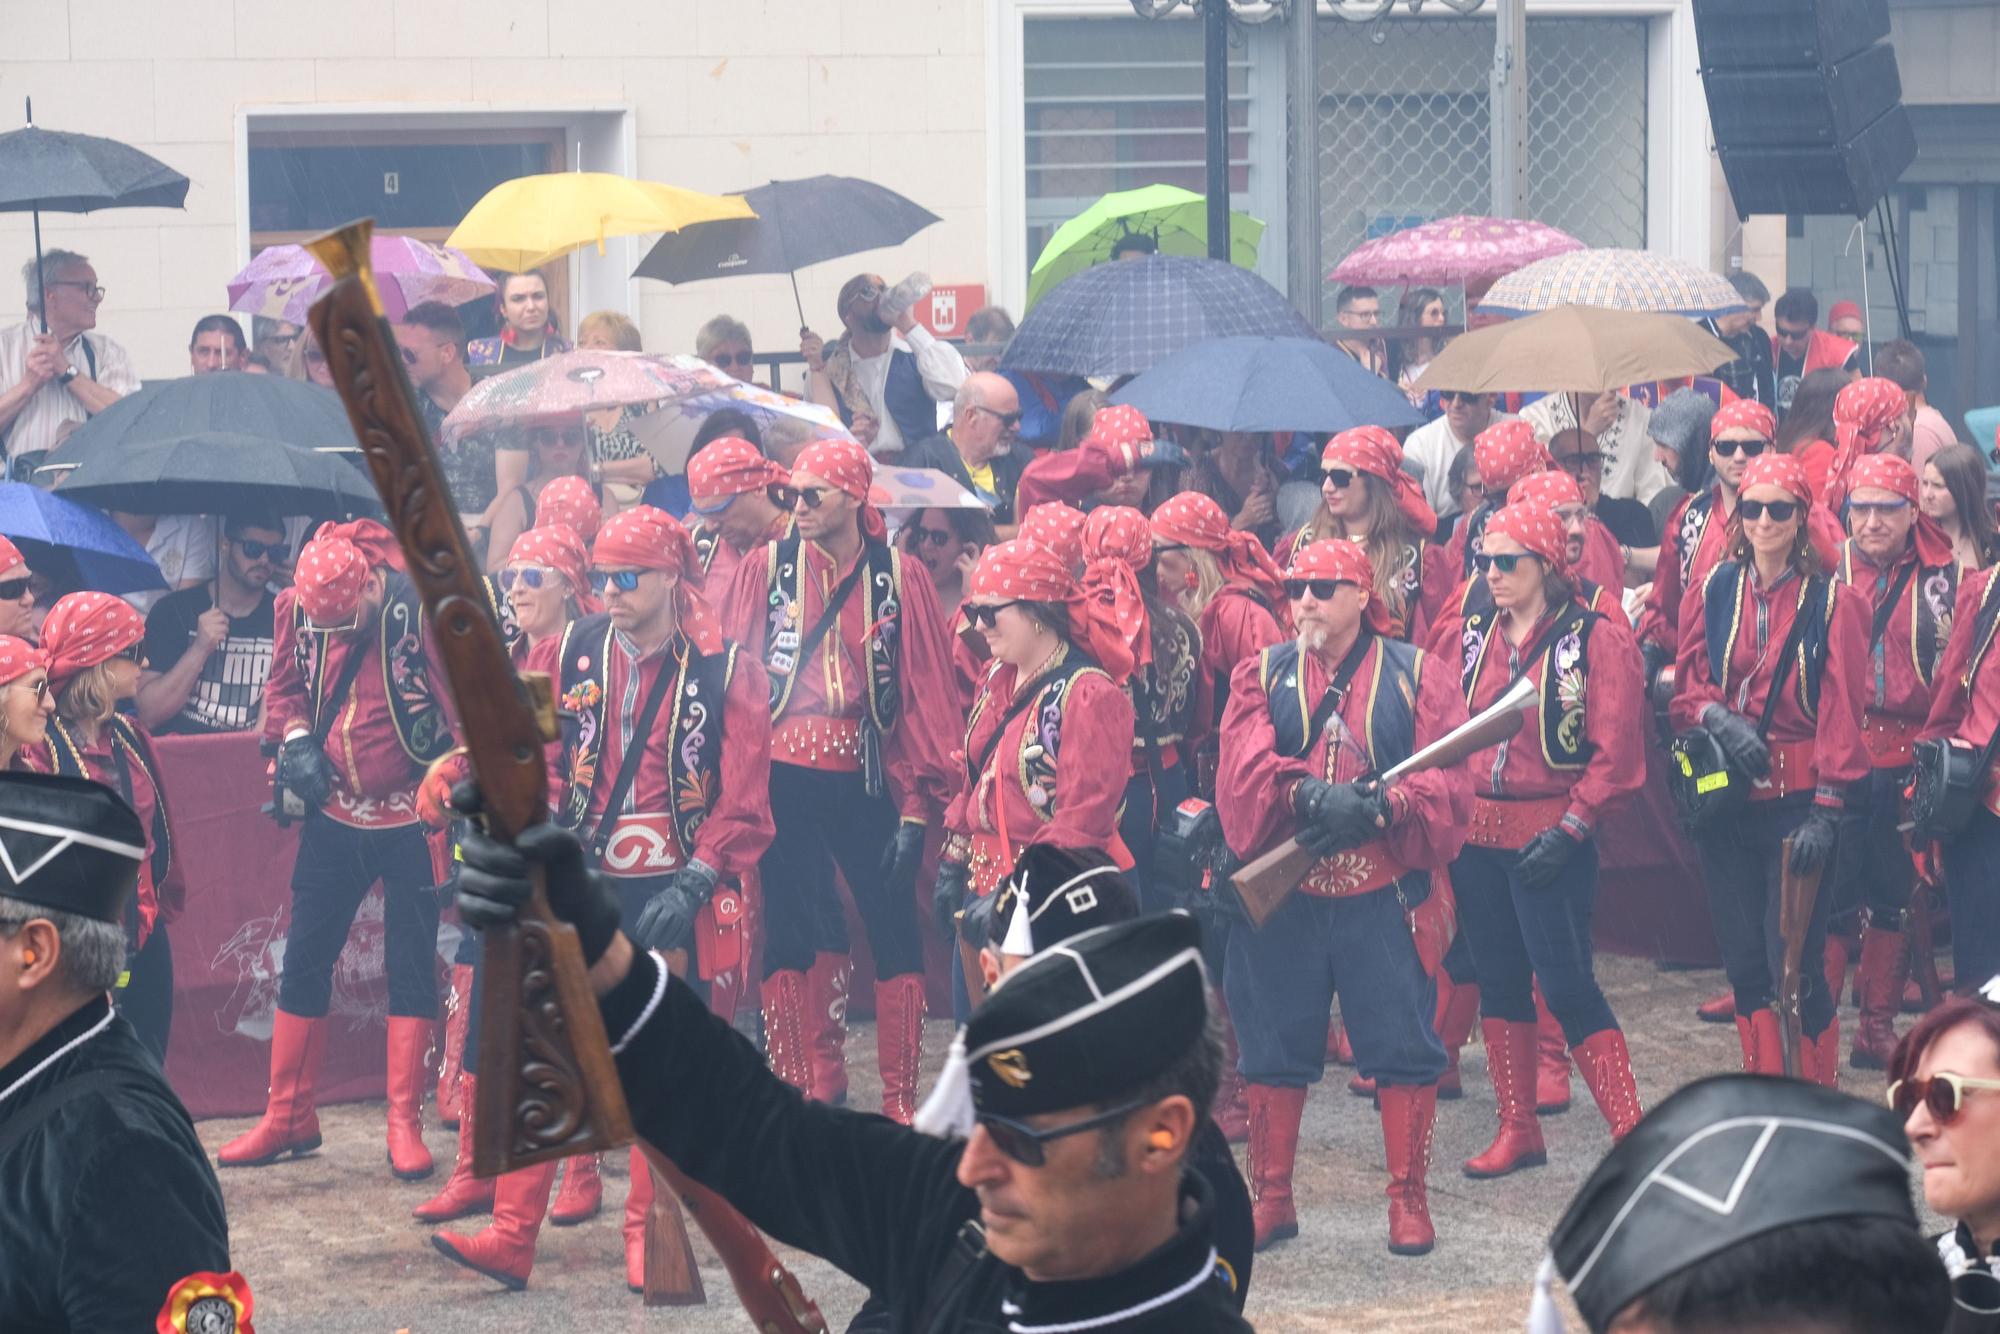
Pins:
x: 54, y: 368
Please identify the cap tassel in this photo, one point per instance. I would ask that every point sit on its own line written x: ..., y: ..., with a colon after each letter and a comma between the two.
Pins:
x: 1544, y: 1316
x: 948, y: 1113
x: 1020, y: 941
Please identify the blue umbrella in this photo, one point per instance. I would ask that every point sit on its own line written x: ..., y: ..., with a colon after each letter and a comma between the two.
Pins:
x: 1127, y: 316
x: 60, y: 537
x: 1258, y: 383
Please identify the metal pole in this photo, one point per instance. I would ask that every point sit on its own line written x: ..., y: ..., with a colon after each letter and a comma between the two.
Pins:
x: 1215, y: 98
x: 1508, y: 103
x: 1308, y: 282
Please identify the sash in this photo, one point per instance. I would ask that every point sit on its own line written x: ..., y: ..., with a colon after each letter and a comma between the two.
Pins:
x: 881, y: 591
x: 1722, y: 617
x: 1565, y: 667
x: 1925, y: 627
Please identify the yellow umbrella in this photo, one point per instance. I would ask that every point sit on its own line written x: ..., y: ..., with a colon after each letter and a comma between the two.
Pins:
x: 524, y: 223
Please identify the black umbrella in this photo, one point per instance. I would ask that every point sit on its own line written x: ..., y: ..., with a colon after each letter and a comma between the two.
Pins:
x: 78, y: 173
x: 798, y: 223
x: 267, y: 407
x: 218, y: 473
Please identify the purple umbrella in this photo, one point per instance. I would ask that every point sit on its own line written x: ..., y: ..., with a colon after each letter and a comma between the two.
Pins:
x: 285, y: 279
x: 1463, y: 250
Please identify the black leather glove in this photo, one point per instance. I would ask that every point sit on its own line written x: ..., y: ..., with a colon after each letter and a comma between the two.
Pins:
x: 304, y: 771
x: 1652, y: 657
x: 901, y: 859
x: 1738, y: 739
x: 948, y: 894
x: 1335, y: 816
x: 493, y: 878
x: 1812, y: 842
x: 1544, y: 858
x: 667, y: 920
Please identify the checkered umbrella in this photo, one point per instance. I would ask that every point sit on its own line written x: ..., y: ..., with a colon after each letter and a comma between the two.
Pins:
x: 1126, y: 316
x: 1635, y: 280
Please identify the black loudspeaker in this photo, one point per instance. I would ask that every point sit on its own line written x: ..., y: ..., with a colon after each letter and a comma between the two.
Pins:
x: 1805, y: 102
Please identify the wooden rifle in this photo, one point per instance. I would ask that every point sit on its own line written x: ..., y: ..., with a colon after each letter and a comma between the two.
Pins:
x: 1796, y: 894
x: 1264, y: 883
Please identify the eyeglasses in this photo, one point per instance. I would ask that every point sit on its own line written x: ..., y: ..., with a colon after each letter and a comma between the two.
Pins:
x: 1322, y: 589
x: 1869, y: 509
x: 1727, y: 448
x: 1798, y: 335
x: 1008, y: 420
x: 1338, y: 478
x: 1458, y: 396
x: 935, y: 537
x: 40, y: 686
x: 1506, y: 562
x: 1576, y: 465
x: 1027, y: 1145
x: 91, y: 290
x: 622, y: 580
x: 13, y: 590
x: 251, y: 548
x: 732, y: 359
x: 1943, y: 1093
x: 1781, y: 511
x: 781, y: 496
x: 409, y: 357
x: 811, y: 495
x: 987, y: 614
x: 535, y: 577
x: 136, y: 654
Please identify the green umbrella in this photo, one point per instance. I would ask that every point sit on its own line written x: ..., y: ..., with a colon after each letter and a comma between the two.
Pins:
x: 1175, y: 218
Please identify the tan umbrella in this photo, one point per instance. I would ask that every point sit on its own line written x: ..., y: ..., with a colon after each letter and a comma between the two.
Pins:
x: 1575, y: 350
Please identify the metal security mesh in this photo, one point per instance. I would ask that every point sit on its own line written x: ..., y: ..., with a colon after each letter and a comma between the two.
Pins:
x: 1404, y: 126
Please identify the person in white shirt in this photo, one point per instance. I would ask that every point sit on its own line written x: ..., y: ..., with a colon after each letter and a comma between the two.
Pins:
x: 884, y: 378
x: 1618, y: 425
x: 66, y: 374
x: 1436, y: 443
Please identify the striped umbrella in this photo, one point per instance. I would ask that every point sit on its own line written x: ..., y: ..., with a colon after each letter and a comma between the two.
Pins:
x: 1634, y: 280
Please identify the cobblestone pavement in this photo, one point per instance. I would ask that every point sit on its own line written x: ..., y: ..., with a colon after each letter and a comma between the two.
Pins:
x: 328, y: 1244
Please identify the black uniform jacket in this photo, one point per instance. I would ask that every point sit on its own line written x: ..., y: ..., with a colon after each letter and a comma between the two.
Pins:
x: 106, y: 1197
x: 880, y: 1201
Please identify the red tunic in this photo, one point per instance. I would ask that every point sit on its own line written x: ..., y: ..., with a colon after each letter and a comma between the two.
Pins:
x: 1838, y: 755
x: 833, y: 686
x: 1660, y: 622
x: 1518, y: 769
x: 1016, y: 808
x: 1603, y: 561
x: 1897, y: 696
x: 724, y: 559
x: 97, y: 759
x: 1431, y: 809
x: 1234, y: 626
x: 738, y: 827
x: 1960, y: 712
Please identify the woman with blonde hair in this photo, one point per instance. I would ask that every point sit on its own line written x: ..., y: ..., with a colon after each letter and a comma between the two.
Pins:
x: 1367, y: 498
x: 608, y: 331
x: 25, y: 698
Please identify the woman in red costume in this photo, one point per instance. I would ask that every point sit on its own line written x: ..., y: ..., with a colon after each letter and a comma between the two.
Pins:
x: 1368, y: 499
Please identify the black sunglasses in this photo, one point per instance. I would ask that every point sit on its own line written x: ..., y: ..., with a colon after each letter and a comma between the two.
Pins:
x: 1727, y: 448
x: 935, y: 537
x: 1943, y: 1093
x: 1457, y: 396
x: 622, y: 580
x: 811, y: 495
x: 1781, y: 511
x: 1010, y: 420
x: 1506, y: 562
x: 136, y: 653
x: 1027, y: 1145
x: 1319, y: 588
x: 732, y: 359
x: 1338, y: 477
x: 13, y: 590
x: 251, y: 548
x: 988, y: 614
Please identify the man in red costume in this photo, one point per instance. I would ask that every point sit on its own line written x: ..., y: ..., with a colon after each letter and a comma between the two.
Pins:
x: 355, y: 712
x: 740, y: 501
x: 1307, y: 720
x: 861, y: 703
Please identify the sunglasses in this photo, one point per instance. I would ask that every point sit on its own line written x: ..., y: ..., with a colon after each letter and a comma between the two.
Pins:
x: 41, y: 688
x: 781, y: 496
x: 1781, y: 511
x: 622, y: 580
x: 1457, y: 396
x: 1027, y: 1145
x: 988, y: 615
x: 1010, y: 420
x: 811, y: 495
x: 732, y: 359
x: 13, y: 590
x: 135, y: 654
x: 1943, y: 1093
x: 409, y: 357
x: 1505, y: 562
x: 534, y: 576
x: 1859, y: 509
x: 935, y: 537
x: 546, y: 437
x: 1794, y: 335
x: 251, y: 548
x: 1579, y: 464
x: 1725, y: 449
x: 1338, y: 478
x: 1321, y: 589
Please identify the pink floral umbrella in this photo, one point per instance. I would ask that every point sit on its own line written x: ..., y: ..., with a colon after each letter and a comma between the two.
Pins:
x: 570, y: 384
x: 1463, y: 250
x: 285, y: 279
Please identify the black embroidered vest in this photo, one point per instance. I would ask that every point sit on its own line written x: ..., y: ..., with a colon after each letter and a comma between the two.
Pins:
x: 1565, y: 669
x: 1926, y: 627
x: 1034, y: 763
x: 1722, y: 616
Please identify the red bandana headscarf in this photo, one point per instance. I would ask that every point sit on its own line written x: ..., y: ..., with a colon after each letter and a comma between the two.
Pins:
x: 1505, y: 452
x: 18, y: 657
x: 1057, y: 527
x: 333, y: 568
x: 1338, y: 559
x: 1117, y: 545
x: 556, y: 547
x: 570, y: 501
x: 1891, y: 473
x: 1120, y: 433
x: 10, y: 555
x: 1551, y: 490
x: 1033, y: 573
x: 845, y: 466
x: 84, y: 629
x: 1372, y: 450
x: 1536, y: 528
x: 1862, y: 411
x: 1191, y: 519
x: 644, y: 538
x: 730, y: 467
x: 1780, y: 470
x: 1743, y: 413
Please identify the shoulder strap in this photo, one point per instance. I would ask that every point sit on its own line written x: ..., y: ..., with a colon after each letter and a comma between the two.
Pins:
x: 1336, y: 689
x: 1784, y: 662
x: 1024, y: 696
x: 40, y: 1107
x: 326, y: 708
x: 830, y: 614
x: 1880, y: 625
x: 628, y: 764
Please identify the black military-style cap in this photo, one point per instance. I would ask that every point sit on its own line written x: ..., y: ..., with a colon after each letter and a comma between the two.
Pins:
x: 1089, y: 1019
x: 68, y: 844
x: 1053, y: 894
x: 1723, y: 1160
